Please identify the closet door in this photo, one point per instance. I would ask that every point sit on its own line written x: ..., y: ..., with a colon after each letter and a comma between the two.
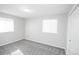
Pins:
x: 73, y: 33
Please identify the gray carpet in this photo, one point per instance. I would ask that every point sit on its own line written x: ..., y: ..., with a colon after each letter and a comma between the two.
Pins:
x: 30, y: 48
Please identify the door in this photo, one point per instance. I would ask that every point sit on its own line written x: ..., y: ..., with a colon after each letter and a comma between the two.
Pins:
x: 73, y: 33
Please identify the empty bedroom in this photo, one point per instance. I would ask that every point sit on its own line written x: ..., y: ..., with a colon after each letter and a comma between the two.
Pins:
x: 39, y: 29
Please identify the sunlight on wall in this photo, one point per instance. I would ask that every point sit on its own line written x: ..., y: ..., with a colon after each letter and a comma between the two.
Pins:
x: 6, y: 25
x: 50, y: 26
x: 17, y: 52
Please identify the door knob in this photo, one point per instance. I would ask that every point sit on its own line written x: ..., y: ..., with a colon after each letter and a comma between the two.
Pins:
x: 69, y: 40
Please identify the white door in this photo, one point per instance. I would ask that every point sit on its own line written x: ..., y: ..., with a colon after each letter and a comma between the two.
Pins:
x: 73, y: 33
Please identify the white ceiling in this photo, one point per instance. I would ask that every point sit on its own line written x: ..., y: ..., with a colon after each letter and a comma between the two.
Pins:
x: 35, y: 10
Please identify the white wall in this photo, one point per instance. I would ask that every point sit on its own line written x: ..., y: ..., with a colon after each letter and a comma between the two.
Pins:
x: 18, y: 33
x: 34, y: 31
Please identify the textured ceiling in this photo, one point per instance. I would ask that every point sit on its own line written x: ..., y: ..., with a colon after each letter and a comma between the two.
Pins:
x: 35, y: 10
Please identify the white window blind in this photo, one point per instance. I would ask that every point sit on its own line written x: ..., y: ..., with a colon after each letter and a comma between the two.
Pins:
x: 50, y: 26
x: 6, y: 25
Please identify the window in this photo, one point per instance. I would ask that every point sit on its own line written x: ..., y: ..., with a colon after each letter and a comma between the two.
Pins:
x: 6, y: 25
x: 50, y: 26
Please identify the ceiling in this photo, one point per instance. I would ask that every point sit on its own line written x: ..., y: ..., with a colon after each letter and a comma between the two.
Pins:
x: 35, y: 10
